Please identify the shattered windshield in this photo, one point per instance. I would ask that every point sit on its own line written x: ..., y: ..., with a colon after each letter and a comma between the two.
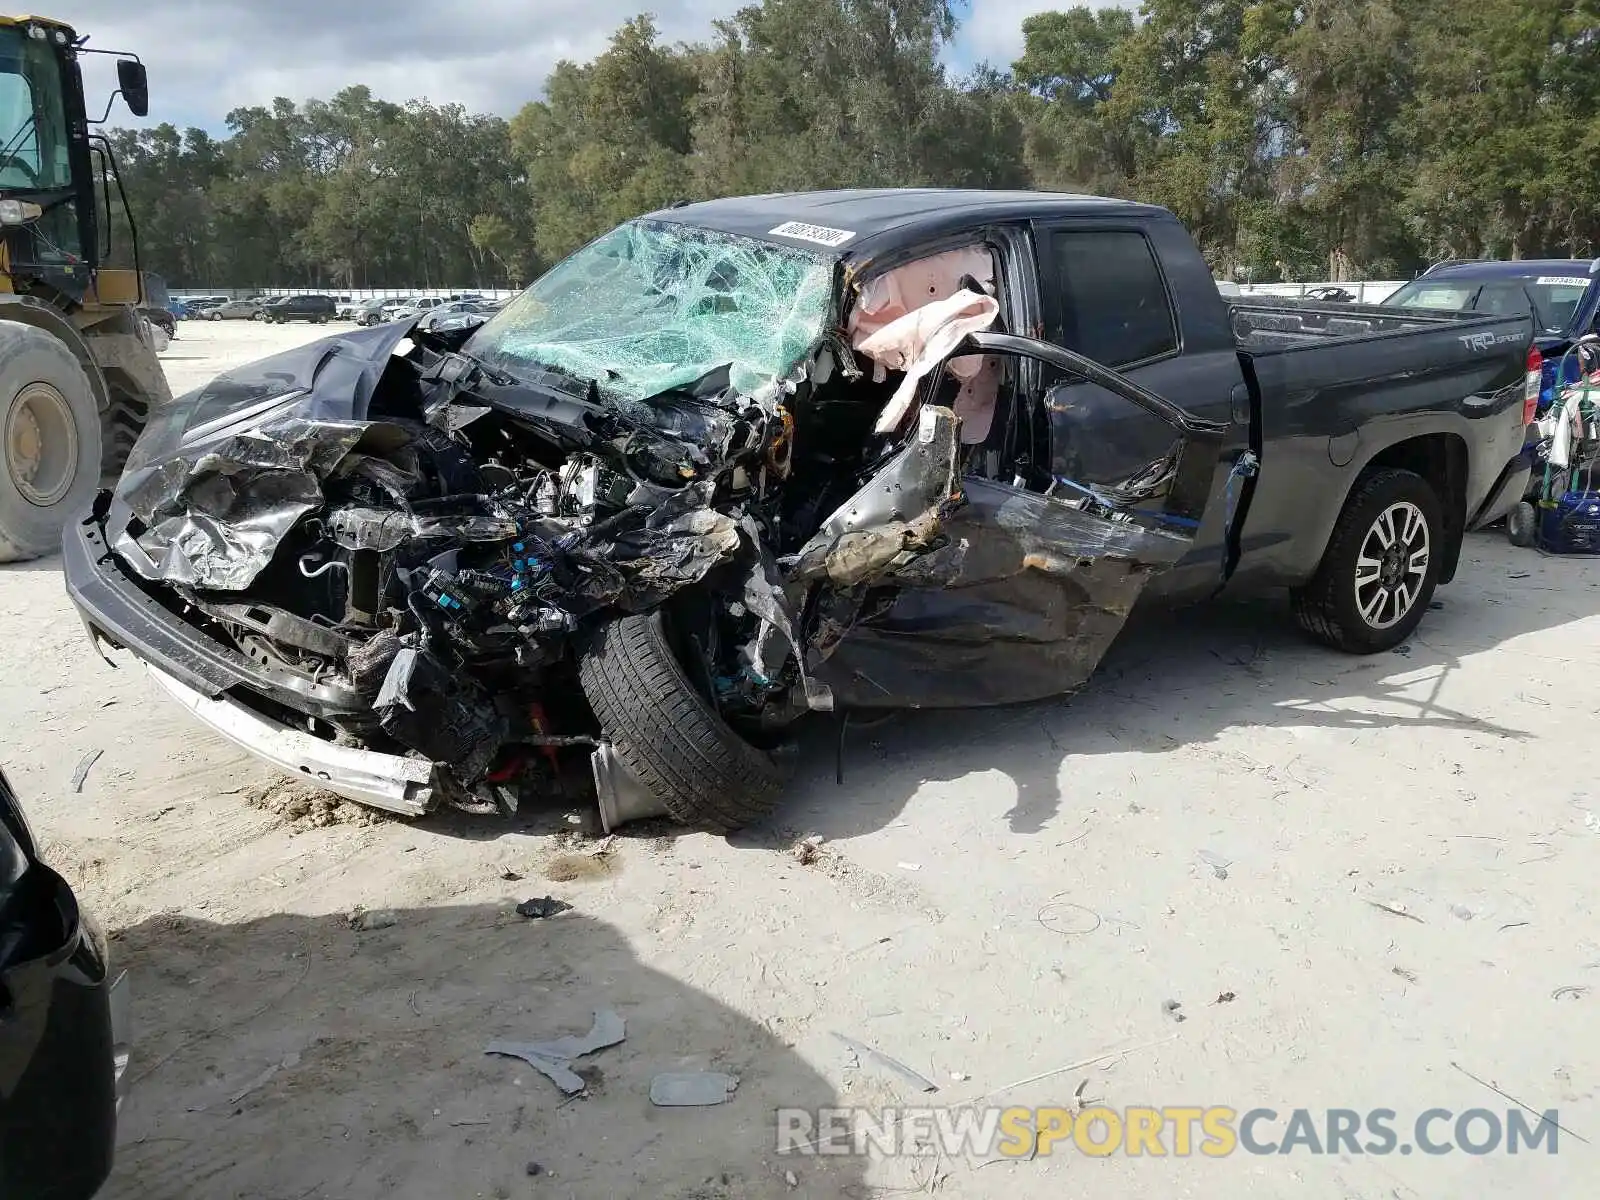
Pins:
x: 652, y: 307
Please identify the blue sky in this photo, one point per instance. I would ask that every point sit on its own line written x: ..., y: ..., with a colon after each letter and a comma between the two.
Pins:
x: 208, y: 56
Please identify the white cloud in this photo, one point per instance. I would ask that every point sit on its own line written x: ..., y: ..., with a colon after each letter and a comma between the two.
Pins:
x: 993, y: 30
x: 206, y: 57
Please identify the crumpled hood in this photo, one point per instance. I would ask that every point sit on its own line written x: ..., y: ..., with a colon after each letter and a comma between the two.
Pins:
x: 222, y: 473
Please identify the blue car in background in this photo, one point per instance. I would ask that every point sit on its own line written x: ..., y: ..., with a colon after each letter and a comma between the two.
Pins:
x: 1562, y: 294
x: 178, y: 309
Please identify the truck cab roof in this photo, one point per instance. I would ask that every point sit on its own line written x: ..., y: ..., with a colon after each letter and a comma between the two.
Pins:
x: 861, y: 222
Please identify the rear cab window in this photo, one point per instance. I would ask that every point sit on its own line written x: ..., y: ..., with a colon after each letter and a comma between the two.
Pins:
x: 1111, y: 299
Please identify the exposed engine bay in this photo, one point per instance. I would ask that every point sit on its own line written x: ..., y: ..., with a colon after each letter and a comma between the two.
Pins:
x: 435, y: 531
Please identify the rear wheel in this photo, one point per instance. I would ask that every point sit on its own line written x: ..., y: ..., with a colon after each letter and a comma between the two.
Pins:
x: 703, y: 772
x: 1522, y: 524
x: 1381, y: 566
x: 50, y: 441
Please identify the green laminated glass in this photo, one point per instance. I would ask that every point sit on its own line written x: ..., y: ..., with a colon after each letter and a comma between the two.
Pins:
x: 652, y: 307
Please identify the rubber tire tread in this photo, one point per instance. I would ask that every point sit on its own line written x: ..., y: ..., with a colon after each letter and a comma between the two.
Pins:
x: 703, y: 772
x: 120, y: 426
x: 1325, y: 608
x: 74, y: 386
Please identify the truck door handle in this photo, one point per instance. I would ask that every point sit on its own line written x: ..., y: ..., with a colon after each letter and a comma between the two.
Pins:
x: 1239, y: 401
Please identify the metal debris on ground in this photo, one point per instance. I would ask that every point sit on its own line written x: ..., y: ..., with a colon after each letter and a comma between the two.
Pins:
x: 862, y: 1051
x: 1404, y: 974
x: 289, y: 1060
x: 84, y: 764
x: 691, y: 1089
x: 510, y: 876
x: 1570, y: 992
x: 1396, y: 910
x: 544, y: 906
x: 533, y: 1168
x: 1219, y: 865
x: 1225, y: 998
x: 553, y: 1059
x: 1171, y: 1007
x: 791, y: 1179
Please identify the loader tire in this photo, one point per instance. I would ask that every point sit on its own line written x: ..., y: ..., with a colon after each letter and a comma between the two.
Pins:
x: 703, y: 772
x: 50, y: 440
x: 1380, y: 568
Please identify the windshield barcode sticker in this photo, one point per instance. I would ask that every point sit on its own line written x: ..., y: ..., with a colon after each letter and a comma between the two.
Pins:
x: 1561, y: 281
x: 820, y: 234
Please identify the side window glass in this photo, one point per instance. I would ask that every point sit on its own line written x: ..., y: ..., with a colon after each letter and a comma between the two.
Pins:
x: 1114, y: 303
x: 1503, y: 300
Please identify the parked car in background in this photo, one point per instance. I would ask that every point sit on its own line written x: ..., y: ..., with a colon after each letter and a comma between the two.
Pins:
x: 317, y: 309
x: 1562, y: 295
x: 1331, y: 295
x: 416, y: 306
x: 457, y: 314
x: 63, y: 1027
x: 236, y: 310
x: 373, y: 312
x: 200, y: 305
x: 178, y: 309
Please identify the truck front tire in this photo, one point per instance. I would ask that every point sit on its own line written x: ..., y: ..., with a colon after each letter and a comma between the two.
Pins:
x: 1380, y: 568
x: 703, y: 772
x: 50, y: 438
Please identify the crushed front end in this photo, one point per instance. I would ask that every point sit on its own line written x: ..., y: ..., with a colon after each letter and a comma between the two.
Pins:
x: 620, y: 537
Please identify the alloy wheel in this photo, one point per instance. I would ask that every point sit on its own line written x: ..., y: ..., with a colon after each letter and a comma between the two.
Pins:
x: 1392, y: 565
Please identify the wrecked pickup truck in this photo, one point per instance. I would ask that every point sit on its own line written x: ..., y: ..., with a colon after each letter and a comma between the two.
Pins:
x: 740, y: 461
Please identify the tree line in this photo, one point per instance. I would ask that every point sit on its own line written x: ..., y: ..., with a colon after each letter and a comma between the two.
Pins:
x: 1295, y: 138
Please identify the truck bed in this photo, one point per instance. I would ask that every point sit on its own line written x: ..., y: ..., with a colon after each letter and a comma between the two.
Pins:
x: 1261, y: 327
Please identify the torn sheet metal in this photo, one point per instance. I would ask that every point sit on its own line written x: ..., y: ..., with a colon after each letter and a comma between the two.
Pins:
x: 1020, y: 602
x: 221, y: 474
x: 895, y: 516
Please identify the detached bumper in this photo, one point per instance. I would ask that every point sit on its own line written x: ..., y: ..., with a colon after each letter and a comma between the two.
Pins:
x: 388, y: 781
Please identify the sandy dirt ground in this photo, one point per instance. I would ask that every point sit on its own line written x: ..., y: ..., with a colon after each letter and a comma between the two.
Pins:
x: 1361, y: 879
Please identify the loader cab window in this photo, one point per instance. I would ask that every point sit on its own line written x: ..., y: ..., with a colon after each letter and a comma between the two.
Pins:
x: 36, y: 151
x: 33, y: 121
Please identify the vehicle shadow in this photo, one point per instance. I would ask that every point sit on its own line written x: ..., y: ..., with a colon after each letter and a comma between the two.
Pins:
x: 295, y: 1058
x: 1175, y: 680
x: 50, y: 562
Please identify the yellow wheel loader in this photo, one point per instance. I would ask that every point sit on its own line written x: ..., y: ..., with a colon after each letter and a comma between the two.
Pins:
x: 78, y: 370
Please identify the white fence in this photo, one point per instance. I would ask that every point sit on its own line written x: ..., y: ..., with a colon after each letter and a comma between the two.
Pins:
x: 1372, y: 291
x: 343, y: 295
